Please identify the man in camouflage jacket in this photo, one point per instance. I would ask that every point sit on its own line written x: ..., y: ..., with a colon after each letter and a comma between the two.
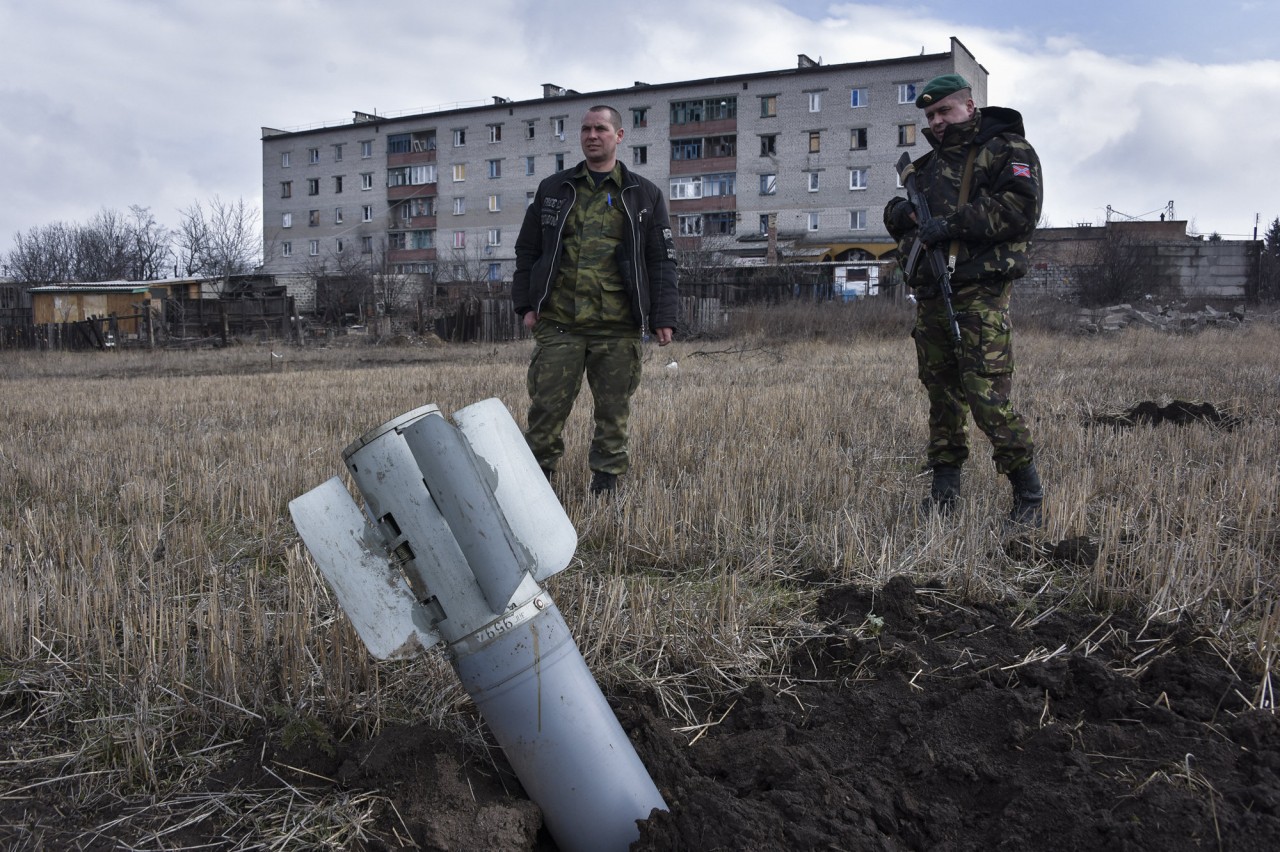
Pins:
x: 595, y: 270
x: 988, y: 232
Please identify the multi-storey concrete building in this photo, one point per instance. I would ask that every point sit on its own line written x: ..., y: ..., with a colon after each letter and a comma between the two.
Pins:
x: 805, y: 155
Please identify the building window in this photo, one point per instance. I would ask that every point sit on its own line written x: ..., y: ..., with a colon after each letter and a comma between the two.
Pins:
x: 640, y: 117
x: 286, y: 189
x: 704, y: 109
x: 907, y: 93
x: 495, y: 236
x: 459, y: 239
x: 639, y: 155
x: 459, y: 172
x: 557, y: 128
x: 495, y: 168
x: 399, y: 143
x: 313, y: 218
x: 768, y: 106
x: 685, y: 188
x: 286, y: 221
x: 686, y: 149
x: 858, y: 139
x: 338, y: 246
x: 313, y: 186
x: 529, y: 131
x: 313, y: 247
x: 690, y: 226
x: 528, y: 198
x: 495, y: 132
x: 769, y: 145
x: 366, y: 180
x: 815, y: 101
x: 495, y: 203
x: 813, y: 181
x: 337, y: 153
x: 420, y: 175
x: 857, y: 178
x: 722, y: 224
x: 337, y: 215
x: 857, y: 220
x: 559, y: 162
x: 495, y: 272
x: 366, y: 245
x: 719, y: 185
x: 284, y: 160
x: 857, y: 98
x: 768, y: 184
x: 459, y: 206
x: 366, y: 150
x: 906, y: 134
x: 815, y: 141
x: 337, y: 184
x: 813, y: 221
x: 460, y: 137
x: 422, y: 239
x: 764, y: 224
x: 313, y: 155
x: 366, y: 213
x: 286, y: 249
x: 528, y: 165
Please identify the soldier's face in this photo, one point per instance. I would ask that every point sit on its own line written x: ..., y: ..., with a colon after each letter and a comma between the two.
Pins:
x: 955, y: 108
x: 599, y: 137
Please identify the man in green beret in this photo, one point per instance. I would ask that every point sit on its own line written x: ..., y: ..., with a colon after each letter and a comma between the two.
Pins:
x: 982, y: 182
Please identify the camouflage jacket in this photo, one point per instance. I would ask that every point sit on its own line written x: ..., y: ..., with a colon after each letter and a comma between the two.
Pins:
x: 994, y: 225
x: 646, y: 259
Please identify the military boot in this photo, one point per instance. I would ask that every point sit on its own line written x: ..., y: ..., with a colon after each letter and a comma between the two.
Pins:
x: 944, y: 491
x: 603, y: 483
x: 1028, y: 497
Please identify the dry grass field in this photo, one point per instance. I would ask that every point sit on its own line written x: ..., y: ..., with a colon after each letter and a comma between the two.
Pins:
x: 160, y: 618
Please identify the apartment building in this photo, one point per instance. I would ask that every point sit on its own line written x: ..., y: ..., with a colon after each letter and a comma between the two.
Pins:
x: 803, y: 156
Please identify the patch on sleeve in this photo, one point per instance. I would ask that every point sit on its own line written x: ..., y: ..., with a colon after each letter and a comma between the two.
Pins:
x: 1021, y: 170
x: 670, y: 243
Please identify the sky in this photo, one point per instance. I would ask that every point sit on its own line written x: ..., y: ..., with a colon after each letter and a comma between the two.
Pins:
x: 160, y: 103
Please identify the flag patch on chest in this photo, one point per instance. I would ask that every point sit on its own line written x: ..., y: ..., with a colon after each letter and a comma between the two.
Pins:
x: 1021, y: 170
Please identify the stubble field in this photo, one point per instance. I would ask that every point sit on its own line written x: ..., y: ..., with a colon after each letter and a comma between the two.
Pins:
x: 801, y: 661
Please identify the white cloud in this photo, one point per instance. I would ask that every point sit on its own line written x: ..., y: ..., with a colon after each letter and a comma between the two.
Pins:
x: 122, y: 102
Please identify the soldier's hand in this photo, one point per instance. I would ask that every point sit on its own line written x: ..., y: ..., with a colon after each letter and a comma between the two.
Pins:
x: 663, y: 335
x: 899, y: 215
x: 936, y: 230
x: 530, y: 319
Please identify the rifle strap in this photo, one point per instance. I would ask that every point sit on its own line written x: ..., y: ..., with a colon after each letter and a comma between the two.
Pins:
x: 965, y: 179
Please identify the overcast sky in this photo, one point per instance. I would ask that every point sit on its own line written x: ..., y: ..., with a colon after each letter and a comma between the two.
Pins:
x: 160, y: 103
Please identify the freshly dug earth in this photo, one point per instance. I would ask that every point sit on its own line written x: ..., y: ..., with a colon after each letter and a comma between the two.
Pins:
x: 957, y: 726
x: 916, y: 721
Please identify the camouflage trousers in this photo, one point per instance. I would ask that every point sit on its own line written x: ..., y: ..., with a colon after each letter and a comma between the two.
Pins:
x: 978, y: 380
x: 612, y: 368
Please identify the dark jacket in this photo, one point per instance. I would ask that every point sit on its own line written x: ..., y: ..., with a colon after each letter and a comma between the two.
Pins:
x: 646, y: 259
x: 995, y: 223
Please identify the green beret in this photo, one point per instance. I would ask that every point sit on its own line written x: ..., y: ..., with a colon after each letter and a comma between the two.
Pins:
x: 939, y: 87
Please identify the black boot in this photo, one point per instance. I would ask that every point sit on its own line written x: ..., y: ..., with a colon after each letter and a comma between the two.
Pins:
x: 603, y: 483
x: 1028, y: 497
x: 944, y: 490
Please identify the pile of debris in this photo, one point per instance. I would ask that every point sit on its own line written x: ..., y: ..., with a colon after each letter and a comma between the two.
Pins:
x: 1173, y: 318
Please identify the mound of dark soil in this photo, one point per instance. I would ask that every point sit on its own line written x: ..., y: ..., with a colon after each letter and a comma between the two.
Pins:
x: 1179, y: 412
x: 916, y: 721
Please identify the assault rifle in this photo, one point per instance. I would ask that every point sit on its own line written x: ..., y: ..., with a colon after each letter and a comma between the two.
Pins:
x: 941, y: 265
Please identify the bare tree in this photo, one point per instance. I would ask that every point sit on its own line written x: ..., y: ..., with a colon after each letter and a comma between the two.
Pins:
x: 43, y: 255
x: 111, y: 246
x: 1119, y: 268
x: 220, y: 239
